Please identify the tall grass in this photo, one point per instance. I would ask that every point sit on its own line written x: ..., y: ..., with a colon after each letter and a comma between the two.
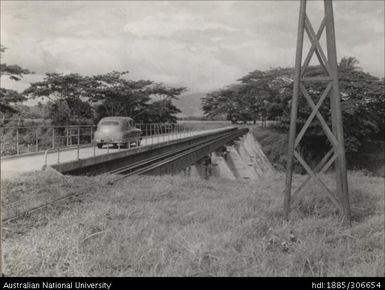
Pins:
x: 176, y: 226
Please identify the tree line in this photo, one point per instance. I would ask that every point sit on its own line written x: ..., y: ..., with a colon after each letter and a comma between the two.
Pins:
x: 76, y: 99
x: 267, y: 94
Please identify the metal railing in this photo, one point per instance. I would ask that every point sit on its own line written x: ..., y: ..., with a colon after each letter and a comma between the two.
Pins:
x: 60, y: 149
x: 151, y: 134
x: 16, y: 140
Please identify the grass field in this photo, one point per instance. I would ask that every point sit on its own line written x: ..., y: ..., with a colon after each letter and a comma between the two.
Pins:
x: 176, y: 226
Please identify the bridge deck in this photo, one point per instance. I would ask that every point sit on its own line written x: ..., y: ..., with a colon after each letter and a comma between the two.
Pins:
x: 16, y: 165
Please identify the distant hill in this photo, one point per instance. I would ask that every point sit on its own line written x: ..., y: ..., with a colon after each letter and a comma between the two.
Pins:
x: 190, y: 105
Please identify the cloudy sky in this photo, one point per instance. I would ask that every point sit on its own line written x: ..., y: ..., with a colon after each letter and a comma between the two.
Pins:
x: 202, y: 45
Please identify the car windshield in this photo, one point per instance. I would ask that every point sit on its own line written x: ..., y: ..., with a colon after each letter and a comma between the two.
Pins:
x: 110, y: 123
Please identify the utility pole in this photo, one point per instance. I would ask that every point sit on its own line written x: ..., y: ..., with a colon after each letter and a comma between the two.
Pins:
x: 335, y: 135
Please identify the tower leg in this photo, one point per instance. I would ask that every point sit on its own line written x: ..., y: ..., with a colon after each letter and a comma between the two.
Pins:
x: 294, y: 108
x: 340, y: 163
x: 335, y: 136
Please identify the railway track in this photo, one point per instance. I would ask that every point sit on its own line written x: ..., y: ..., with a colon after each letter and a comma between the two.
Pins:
x: 189, y: 154
x: 150, y: 164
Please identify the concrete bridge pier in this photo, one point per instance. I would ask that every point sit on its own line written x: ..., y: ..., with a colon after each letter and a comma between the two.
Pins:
x: 259, y: 158
x: 194, y: 172
x: 248, y: 157
x: 238, y: 166
x: 201, y: 169
x: 243, y: 159
x: 220, y: 167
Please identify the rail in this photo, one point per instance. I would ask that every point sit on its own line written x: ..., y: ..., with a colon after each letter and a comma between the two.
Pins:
x: 189, y: 153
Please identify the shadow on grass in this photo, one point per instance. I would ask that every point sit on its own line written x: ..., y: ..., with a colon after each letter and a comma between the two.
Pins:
x: 315, y: 204
x: 362, y: 205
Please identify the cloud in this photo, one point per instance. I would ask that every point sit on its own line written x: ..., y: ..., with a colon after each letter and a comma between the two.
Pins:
x: 164, y: 24
x: 202, y: 45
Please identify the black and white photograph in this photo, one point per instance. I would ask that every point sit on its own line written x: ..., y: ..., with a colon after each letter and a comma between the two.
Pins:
x: 192, y: 139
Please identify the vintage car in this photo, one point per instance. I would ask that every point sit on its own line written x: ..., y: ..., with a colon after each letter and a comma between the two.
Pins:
x: 119, y: 131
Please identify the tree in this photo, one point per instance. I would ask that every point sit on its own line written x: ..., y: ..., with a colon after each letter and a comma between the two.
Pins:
x: 7, y: 99
x: 258, y: 95
x: 161, y: 111
x: 349, y: 63
x: 160, y: 108
x: 362, y: 102
x: 221, y: 102
x: 143, y: 100
x: 111, y: 94
x: 65, y: 112
x: 59, y: 86
x: 10, y: 97
x: 116, y: 96
x: 67, y: 92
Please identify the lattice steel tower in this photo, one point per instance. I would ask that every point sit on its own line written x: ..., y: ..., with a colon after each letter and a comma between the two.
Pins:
x: 335, y: 135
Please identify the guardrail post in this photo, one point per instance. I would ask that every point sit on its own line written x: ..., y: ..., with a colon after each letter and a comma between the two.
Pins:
x: 53, y: 137
x: 94, y: 145
x: 2, y: 143
x: 45, y: 157
x: 67, y: 136
x: 58, y: 154
x: 91, y: 135
x: 17, y: 141
x: 78, y: 149
x: 78, y: 135
x: 37, y: 142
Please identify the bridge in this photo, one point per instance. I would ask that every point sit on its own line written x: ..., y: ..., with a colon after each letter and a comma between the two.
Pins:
x: 161, y: 152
